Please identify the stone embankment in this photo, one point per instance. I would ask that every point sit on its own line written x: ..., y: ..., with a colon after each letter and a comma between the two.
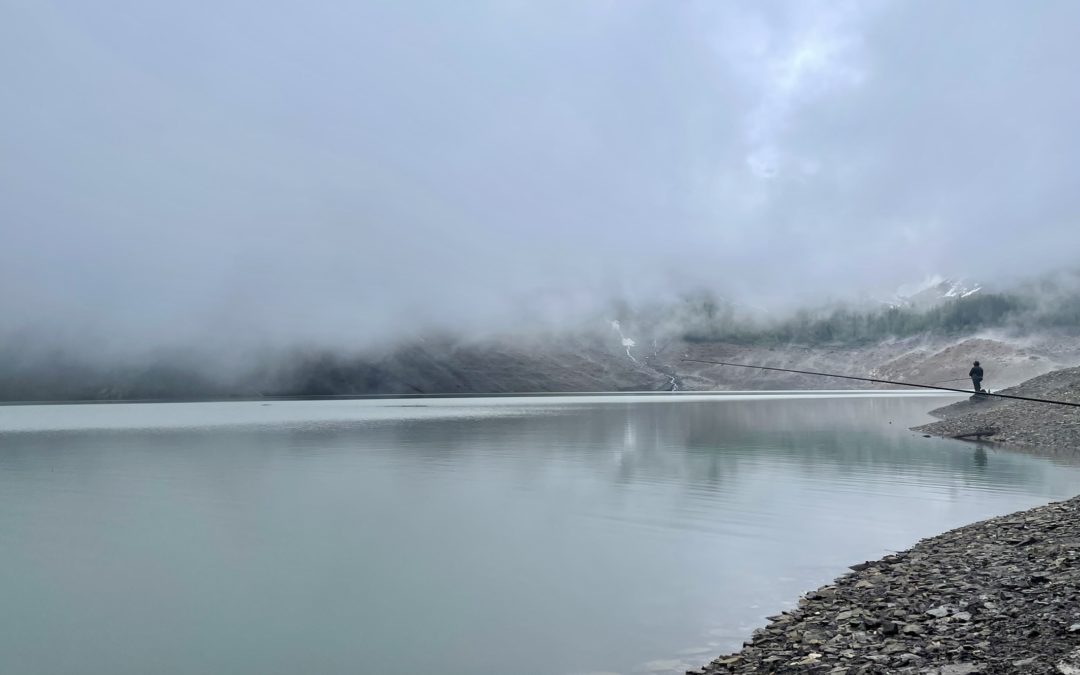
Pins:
x: 1000, y: 596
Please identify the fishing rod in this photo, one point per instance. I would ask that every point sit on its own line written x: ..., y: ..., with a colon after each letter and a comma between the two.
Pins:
x: 958, y: 379
x: 872, y: 379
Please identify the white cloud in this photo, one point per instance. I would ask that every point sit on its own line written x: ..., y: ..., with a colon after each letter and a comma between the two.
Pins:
x: 345, y: 173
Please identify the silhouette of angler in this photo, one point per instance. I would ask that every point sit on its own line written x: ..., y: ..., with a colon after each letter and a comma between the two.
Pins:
x: 976, y: 375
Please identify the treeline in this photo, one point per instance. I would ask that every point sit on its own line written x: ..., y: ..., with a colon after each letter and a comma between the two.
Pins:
x: 848, y: 326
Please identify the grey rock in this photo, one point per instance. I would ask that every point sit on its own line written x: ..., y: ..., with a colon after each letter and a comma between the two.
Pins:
x: 957, y: 669
x: 972, y: 600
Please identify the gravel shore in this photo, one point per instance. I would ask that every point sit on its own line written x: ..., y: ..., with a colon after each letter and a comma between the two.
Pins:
x: 999, y: 596
x: 1044, y: 428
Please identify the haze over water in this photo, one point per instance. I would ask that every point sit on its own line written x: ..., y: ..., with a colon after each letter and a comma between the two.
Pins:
x: 525, y: 535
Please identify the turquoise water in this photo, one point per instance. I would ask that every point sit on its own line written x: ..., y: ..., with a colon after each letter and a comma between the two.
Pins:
x: 554, y: 535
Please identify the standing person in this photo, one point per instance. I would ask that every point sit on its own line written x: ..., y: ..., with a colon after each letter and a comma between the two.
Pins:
x: 976, y: 375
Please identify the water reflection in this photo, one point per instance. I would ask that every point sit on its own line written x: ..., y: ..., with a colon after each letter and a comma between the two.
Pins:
x: 460, y: 537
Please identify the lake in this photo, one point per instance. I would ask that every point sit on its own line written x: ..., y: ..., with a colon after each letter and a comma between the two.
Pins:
x: 547, y: 535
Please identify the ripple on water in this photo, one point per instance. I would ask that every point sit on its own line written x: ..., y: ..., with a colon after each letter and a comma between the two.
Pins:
x: 566, y: 536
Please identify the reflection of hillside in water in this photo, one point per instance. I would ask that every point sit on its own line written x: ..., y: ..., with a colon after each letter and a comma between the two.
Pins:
x: 695, y: 442
x: 617, y: 527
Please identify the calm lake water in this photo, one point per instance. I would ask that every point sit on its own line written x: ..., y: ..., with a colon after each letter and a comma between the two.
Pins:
x: 522, y: 535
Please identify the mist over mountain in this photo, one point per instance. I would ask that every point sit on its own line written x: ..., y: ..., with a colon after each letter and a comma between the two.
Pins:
x: 1018, y: 331
x: 194, y: 206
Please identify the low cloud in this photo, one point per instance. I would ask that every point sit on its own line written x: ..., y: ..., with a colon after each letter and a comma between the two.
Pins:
x: 263, y: 175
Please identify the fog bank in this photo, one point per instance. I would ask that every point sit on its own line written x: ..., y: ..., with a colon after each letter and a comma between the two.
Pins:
x: 259, y: 176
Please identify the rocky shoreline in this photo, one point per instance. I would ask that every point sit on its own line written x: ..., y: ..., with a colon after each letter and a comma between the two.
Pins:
x: 999, y: 596
x: 1040, y: 427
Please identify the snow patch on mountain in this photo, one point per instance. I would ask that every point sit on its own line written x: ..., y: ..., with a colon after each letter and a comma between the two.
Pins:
x: 627, y: 342
x: 932, y: 291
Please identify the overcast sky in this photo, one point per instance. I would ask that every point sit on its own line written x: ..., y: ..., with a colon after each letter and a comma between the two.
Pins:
x: 343, y: 172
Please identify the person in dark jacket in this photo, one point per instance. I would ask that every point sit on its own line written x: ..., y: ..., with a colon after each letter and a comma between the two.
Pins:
x: 976, y: 375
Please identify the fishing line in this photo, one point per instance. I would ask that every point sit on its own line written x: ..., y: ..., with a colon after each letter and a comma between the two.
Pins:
x: 902, y: 384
